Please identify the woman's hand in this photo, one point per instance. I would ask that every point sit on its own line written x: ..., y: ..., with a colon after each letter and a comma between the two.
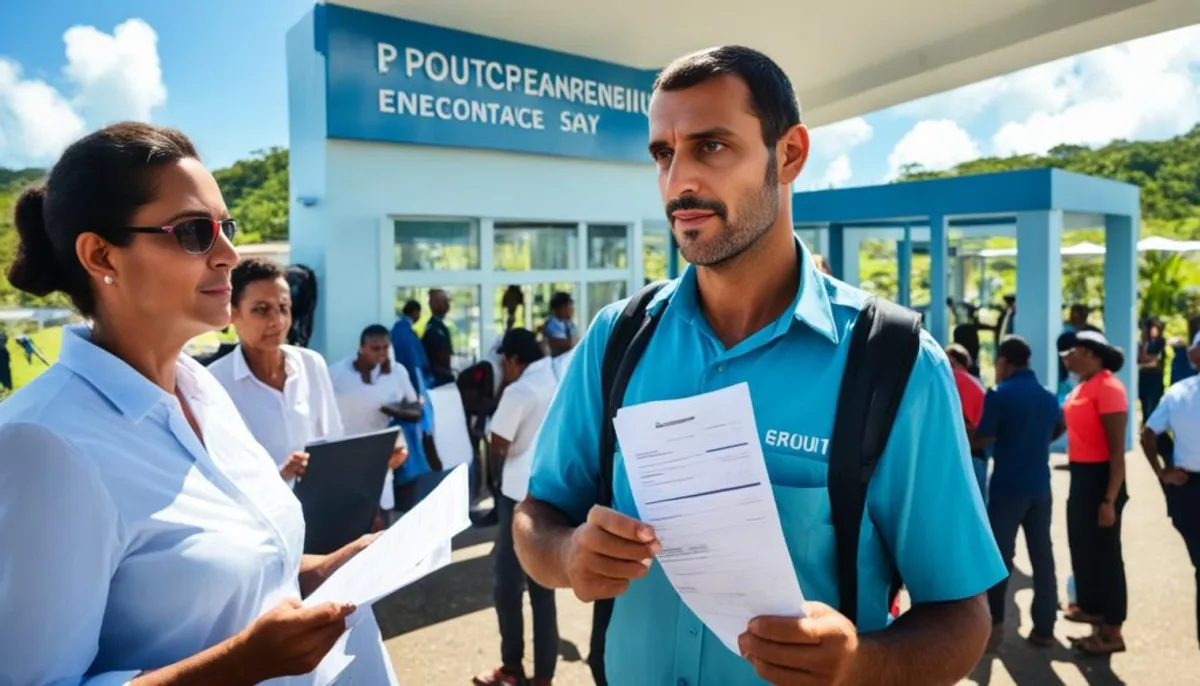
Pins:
x: 1108, y: 514
x: 295, y: 467
x: 399, y: 455
x: 315, y: 569
x: 290, y: 639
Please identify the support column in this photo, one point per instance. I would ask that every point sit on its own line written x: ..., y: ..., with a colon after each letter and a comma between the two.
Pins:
x: 937, y: 321
x: 836, y: 250
x: 1120, y: 302
x: 1039, y: 290
x: 904, y: 268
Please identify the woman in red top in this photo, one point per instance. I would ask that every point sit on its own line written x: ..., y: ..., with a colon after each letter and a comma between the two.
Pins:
x: 1097, y: 414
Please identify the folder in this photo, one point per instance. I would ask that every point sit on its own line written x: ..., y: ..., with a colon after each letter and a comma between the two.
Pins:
x: 339, y: 492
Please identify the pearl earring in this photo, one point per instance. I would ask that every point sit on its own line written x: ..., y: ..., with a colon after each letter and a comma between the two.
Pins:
x: 108, y: 280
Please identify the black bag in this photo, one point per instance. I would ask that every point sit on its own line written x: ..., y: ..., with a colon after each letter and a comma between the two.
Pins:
x: 302, y: 281
x: 883, y: 349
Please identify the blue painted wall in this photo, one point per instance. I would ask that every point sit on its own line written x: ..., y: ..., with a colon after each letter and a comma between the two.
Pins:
x: 400, y: 81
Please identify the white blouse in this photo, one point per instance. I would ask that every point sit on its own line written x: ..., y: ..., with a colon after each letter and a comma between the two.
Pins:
x: 128, y: 544
x: 285, y: 422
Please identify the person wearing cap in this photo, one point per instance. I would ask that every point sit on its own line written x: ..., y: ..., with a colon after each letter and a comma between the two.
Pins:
x: 1097, y: 414
x: 529, y: 387
x: 1179, y: 413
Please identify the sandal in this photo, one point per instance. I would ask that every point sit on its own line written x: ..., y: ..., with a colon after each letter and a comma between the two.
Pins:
x: 1074, y: 614
x: 500, y: 677
x: 1098, y: 644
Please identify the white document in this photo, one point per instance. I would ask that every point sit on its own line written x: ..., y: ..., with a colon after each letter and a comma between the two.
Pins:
x: 411, y: 548
x: 450, y: 434
x: 698, y: 476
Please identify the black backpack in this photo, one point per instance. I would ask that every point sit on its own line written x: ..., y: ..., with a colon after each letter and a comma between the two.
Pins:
x: 883, y: 349
x: 303, y: 283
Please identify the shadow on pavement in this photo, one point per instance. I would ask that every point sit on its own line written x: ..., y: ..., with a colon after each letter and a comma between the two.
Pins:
x: 1028, y: 664
x: 460, y: 588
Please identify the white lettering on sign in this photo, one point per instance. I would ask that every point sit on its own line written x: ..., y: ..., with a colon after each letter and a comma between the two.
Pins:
x: 462, y: 109
x: 798, y: 442
x: 498, y: 76
x: 577, y: 122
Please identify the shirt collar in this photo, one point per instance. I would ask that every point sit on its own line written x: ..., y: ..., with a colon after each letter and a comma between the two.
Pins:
x: 811, y: 306
x: 131, y: 393
x: 241, y: 368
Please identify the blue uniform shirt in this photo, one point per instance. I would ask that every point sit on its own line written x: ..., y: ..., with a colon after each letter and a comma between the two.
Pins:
x: 923, y: 502
x: 1021, y: 416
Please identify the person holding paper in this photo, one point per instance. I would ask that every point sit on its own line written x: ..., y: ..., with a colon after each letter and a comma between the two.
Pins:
x: 371, y: 391
x: 530, y: 382
x: 751, y: 308
x: 283, y: 392
x: 147, y: 537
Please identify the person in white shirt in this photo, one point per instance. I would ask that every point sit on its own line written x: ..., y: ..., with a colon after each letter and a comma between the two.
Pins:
x: 372, y: 391
x: 530, y: 381
x: 283, y: 392
x: 1179, y: 413
x: 147, y: 537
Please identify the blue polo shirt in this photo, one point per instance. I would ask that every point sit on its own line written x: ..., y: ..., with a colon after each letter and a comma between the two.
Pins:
x: 1021, y: 416
x: 923, y: 502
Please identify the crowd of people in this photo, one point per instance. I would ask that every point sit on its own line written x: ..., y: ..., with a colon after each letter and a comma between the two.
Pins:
x: 1014, y: 425
x: 167, y: 484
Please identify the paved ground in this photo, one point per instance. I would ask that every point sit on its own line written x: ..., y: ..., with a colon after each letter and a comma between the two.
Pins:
x: 442, y: 630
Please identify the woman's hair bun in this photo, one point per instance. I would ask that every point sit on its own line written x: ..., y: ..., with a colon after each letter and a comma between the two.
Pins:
x: 35, y: 270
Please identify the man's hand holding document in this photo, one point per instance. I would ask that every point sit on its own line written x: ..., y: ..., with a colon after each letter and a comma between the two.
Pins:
x: 700, y: 483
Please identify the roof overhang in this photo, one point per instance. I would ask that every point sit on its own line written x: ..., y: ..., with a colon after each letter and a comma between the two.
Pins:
x: 845, y: 58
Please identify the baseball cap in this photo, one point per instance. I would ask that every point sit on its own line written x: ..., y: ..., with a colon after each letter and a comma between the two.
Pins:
x: 521, y: 344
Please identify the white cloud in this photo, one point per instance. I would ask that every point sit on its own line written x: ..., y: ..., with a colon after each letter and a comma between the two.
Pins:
x: 830, y: 147
x: 1143, y: 89
x: 935, y: 144
x: 113, y: 77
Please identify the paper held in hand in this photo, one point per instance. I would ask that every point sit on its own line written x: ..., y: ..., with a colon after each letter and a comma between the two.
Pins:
x: 698, y: 476
x: 413, y: 547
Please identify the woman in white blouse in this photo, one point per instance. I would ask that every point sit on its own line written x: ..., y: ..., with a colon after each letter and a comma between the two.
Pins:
x: 283, y: 392
x: 146, y: 537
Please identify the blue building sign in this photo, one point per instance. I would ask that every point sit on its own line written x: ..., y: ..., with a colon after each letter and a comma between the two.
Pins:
x: 399, y: 81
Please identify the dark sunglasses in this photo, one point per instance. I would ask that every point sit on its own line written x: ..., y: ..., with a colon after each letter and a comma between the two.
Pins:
x: 195, y: 236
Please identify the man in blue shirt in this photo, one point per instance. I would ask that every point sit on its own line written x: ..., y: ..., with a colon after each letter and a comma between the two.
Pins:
x: 751, y: 307
x: 1022, y: 419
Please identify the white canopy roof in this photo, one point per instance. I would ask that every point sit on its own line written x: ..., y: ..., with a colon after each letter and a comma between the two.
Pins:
x: 845, y: 58
x: 1149, y: 244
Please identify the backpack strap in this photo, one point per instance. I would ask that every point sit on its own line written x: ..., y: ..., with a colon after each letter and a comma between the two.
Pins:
x: 628, y: 341
x: 883, y: 349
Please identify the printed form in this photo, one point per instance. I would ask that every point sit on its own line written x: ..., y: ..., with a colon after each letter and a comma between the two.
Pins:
x: 698, y: 476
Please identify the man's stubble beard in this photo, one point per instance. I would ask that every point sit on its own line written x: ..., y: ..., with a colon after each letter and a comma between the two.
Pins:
x: 757, y: 216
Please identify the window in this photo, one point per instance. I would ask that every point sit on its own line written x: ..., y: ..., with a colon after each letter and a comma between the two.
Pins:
x: 436, y: 245
x: 601, y: 293
x: 608, y: 246
x: 535, y: 305
x: 655, y: 244
x: 524, y: 246
x: 462, y: 320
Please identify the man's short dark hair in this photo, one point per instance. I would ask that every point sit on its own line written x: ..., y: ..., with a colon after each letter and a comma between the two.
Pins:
x: 521, y: 344
x: 771, y: 93
x: 373, y: 331
x: 959, y: 354
x: 412, y: 308
x: 1015, y: 350
x: 252, y: 270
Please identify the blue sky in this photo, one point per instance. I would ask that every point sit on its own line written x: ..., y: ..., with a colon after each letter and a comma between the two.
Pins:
x: 216, y: 69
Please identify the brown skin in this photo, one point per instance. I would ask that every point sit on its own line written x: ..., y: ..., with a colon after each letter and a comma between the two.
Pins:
x: 262, y: 318
x: 159, y: 299
x: 559, y: 346
x: 707, y: 142
x: 439, y: 306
